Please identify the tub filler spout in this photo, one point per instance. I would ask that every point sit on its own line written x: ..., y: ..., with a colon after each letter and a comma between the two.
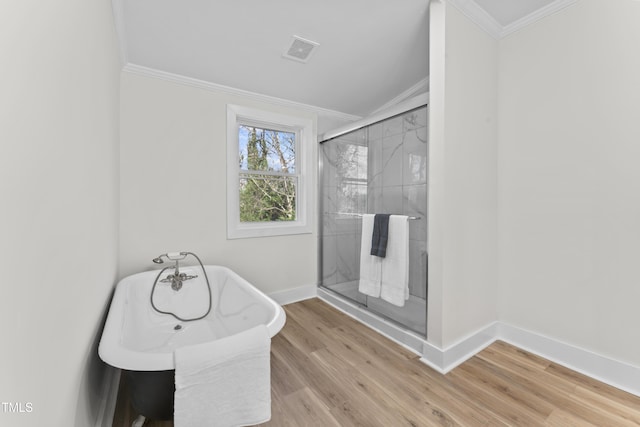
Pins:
x: 177, y: 278
x: 172, y: 305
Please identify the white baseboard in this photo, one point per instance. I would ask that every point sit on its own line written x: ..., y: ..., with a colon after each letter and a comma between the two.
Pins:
x: 300, y: 293
x: 609, y: 371
x: 109, y: 397
x: 445, y: 360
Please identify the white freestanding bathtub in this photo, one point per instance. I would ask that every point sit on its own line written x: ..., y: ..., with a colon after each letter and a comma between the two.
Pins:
x: 141, y: 341
x: 138, y: 338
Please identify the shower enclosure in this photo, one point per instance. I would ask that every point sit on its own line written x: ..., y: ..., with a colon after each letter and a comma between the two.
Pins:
x: 380, y: 167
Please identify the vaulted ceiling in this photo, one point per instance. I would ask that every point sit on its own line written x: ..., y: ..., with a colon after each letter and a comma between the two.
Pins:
x: 370, y: 53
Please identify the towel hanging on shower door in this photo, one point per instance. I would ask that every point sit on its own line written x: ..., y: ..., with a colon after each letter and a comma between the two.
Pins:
x: 380, y: 235
x: 370, y: 265
x: 394, y: 287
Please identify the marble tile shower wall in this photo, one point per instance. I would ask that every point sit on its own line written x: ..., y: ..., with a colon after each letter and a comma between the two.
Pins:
x: 379, y: 169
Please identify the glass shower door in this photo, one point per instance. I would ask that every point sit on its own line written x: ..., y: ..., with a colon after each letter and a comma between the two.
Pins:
x: 344, y: 197
x: 381, y: 168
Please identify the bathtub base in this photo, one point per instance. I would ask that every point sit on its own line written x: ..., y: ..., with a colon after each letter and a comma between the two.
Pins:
x: 152, y: 392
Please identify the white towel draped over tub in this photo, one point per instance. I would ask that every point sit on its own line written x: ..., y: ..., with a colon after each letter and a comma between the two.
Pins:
x: 388, y: 277
x: 224, y: 383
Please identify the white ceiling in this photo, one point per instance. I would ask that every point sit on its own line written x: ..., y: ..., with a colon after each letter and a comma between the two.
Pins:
x: 370, y: 50
x: 371, y: 53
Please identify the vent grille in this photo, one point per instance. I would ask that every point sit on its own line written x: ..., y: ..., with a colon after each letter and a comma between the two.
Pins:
x: 300, y: 49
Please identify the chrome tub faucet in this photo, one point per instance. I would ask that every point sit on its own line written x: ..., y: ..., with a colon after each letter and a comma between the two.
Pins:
x: 176, y: 278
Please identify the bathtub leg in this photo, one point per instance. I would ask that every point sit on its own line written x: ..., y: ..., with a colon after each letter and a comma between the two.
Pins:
x: 139, y: 422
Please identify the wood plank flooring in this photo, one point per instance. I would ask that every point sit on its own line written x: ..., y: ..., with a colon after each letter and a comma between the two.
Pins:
x: 329, y: 370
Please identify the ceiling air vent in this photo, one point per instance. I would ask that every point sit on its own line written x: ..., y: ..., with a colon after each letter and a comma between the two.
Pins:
x: 300, y: 49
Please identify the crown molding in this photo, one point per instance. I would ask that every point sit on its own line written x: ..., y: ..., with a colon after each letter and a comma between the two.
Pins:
x: 202, y: 84
x: 421, y: 87
x: 484, y: 20
x: 537, y: 15
x: 478, y: 15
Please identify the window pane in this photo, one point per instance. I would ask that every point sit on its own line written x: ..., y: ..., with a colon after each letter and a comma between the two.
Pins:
x: 266, y: 149
x: 265, y: 198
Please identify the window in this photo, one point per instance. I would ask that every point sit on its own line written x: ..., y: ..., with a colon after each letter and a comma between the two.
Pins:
x: 268, y: 179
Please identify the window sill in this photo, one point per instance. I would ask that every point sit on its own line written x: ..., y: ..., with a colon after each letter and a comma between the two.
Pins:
x: 254, y: 230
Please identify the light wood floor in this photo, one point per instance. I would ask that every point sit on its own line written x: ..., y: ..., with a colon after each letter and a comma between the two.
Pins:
x: 329, y: 370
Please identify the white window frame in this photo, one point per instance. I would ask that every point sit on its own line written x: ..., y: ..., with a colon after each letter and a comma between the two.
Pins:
x: 240, y: 115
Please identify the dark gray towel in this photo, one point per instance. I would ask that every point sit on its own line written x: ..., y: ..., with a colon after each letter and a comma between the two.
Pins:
x: 380, y: 235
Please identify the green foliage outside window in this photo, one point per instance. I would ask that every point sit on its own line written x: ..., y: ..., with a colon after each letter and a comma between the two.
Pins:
x: 268, y: 181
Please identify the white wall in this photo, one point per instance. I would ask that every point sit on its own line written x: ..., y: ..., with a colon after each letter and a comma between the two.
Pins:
x: 173, y: 186
x: 59, y: 217
x: 570, y: 178
x: 462, y: 177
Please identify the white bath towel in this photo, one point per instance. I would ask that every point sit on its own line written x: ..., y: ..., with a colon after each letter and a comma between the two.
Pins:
x: 224, y: 383
x: 370, y: 265
x: 395, y: 266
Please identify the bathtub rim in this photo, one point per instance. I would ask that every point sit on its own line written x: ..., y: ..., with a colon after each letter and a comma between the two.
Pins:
x: 112, y: 351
